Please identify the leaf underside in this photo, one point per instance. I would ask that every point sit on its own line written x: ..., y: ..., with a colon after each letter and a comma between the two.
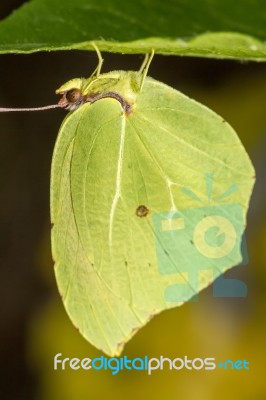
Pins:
x: 205, y: 28
x: 113, y: 267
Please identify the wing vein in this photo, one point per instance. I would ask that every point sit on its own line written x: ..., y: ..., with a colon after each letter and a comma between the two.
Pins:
x: 118, y: 180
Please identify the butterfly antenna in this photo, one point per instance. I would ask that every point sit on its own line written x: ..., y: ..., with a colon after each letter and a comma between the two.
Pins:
x: 3, y: 109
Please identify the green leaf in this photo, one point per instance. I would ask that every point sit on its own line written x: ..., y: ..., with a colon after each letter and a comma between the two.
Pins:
x: 149, y: 196
x: 208, y: 28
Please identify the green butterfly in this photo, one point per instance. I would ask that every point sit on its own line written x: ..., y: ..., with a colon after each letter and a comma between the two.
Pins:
x: 129, y: 163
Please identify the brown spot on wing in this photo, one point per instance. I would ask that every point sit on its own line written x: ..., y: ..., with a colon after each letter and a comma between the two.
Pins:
x: 142, y: 211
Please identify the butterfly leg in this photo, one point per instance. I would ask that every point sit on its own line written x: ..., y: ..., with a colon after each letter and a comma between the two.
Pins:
x: 97, y: 70
x: 145, y: 67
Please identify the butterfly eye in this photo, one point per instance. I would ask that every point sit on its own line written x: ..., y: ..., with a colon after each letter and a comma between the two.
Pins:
x: 71, y: 99
x: 73, y: 95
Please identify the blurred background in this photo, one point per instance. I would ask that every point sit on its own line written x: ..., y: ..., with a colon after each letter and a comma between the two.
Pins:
x: 33, y: 324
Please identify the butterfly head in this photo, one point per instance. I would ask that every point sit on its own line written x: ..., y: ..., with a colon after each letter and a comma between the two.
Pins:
x: 71, y: 94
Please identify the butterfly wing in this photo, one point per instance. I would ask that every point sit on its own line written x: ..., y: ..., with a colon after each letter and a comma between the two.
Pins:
x: 116, y: 263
